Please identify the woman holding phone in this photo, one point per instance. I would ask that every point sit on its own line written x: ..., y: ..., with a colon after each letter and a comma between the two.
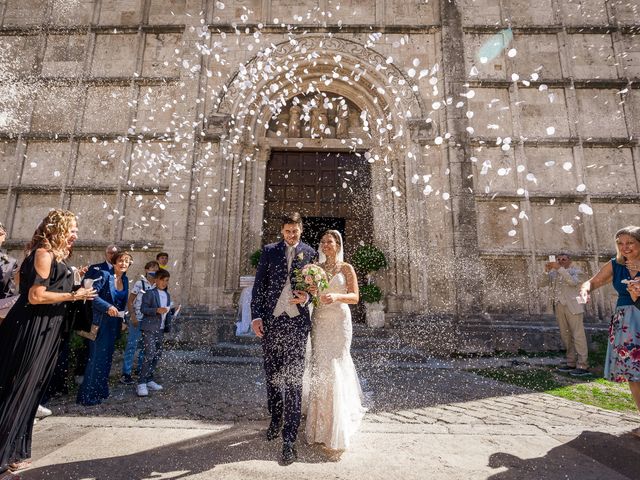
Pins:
x: 108, y: 320
x: 622, y: 363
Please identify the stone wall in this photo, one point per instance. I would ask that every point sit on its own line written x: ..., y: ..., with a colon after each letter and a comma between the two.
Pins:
x: 149, y: 118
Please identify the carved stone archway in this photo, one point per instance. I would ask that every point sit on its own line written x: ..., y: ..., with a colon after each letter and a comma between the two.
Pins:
x: 393, y: 123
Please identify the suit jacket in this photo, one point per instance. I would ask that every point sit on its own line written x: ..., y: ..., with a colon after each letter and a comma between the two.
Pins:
x: 151, y: 320
x: 8, y: 269
x: 271, y: 276
x: 565, y: 283
x: 94, y: 270
x: 105, y: 285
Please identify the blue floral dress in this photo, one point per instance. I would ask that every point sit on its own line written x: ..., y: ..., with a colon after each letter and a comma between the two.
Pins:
x: 623, y: 352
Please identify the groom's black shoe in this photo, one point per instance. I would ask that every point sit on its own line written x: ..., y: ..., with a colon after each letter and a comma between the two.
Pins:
x: 273, y: 431
x: 289, y: 453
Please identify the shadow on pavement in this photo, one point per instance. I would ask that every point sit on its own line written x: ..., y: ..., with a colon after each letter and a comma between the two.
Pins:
x: 180, y: 459
x: 572, y: 459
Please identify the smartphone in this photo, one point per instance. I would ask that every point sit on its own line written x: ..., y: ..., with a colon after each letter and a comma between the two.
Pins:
x: 552, y: 258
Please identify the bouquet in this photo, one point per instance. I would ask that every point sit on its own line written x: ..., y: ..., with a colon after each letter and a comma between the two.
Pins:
x: 311, y: 275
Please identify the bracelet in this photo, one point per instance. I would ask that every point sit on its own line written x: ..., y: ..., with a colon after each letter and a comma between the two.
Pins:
x: 74, y: 295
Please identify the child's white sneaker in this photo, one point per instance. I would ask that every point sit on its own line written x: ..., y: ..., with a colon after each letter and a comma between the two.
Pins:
x: 154, y: 386
x: 141, y: 390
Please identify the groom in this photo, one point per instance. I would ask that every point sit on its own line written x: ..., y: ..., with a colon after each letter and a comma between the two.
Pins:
x: 281, y: 318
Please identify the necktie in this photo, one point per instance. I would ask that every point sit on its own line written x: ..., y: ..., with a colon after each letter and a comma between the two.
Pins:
x: 290, y: 252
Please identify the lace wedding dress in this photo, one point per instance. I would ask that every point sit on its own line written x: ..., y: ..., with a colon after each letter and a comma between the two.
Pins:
x: 333, y: 397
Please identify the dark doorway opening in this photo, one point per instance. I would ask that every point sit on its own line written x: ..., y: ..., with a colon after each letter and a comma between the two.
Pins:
x: 314, y: 227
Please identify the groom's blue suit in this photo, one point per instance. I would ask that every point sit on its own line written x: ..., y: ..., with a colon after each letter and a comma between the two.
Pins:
x: 285, y: 337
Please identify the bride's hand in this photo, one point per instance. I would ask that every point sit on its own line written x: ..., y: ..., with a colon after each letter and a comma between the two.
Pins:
x: 328, y: 298
x: 313, y: 290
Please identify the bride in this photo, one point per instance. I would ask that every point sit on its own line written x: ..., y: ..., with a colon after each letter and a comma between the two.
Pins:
x: 334, y: 404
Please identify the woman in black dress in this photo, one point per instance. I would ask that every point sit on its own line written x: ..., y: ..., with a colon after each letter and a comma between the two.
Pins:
x: 30, y: 335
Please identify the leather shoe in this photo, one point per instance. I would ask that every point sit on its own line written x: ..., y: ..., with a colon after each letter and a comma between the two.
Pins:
x: 289, y: 453
x: 273, y: 431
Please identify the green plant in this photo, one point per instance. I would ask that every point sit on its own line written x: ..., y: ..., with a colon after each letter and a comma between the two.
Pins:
x: 369, y: 259
x: 370, y: 293
x: 254, y: 258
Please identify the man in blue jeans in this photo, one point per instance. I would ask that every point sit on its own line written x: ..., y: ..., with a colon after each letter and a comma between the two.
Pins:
x: 147, y: 282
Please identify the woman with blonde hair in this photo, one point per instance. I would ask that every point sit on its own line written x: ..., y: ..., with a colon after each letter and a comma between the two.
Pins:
x: 622, y: 363
x: 30, y: 335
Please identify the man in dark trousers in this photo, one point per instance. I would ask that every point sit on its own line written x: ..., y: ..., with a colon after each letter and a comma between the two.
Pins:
x: 8, y: 269
x: 281, y: 318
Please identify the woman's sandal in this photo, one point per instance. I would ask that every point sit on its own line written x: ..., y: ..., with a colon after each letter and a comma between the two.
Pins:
x: 15, y: 466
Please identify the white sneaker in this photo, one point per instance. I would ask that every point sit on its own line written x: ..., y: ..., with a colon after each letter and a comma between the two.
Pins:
x: 141, y: 390
x: 43, y: 412
x: 154, y: 386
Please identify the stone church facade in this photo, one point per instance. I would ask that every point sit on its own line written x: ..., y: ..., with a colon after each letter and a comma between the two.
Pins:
x: 467, y: 139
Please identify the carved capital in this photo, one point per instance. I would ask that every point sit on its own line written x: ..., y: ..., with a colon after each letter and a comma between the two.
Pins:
x: 217, y: 125
x: 421, y: 130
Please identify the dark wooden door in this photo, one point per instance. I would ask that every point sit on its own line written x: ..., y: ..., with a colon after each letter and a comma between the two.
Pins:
x: 329, y: 189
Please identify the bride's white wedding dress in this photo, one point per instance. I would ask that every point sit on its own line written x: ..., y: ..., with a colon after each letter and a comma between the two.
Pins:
x: 334, y: 403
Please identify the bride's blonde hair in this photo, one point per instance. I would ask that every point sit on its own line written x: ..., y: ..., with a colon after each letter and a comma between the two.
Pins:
x: 52, y: 234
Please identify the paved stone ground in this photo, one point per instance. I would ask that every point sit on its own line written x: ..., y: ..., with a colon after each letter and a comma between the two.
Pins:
x: 428, y: 420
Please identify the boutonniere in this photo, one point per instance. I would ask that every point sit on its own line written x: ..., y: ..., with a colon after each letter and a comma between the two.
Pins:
x: 300, y: 256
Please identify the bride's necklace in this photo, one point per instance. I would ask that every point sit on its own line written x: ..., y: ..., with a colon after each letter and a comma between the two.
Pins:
x: 332, y: 269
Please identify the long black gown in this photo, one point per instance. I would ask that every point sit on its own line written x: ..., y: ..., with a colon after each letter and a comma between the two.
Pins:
x: 29, y: 340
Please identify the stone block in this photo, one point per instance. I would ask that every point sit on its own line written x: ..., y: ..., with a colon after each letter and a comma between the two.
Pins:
x: 584, y: 12
x: 401, y: 12
x: 505, y: 285
x: 19, y: 13
x: 114, y: 55
x: 143, y: 218
x: 596, y: 105
x: 56, y: 109
x: 492, y: 112
x: 480, y: 12
x: 548, y: 221
x: 76, y: 12
x: 633, y: 107
x: 611, y: 217
x: 609, y: 170
x: 286, y: 11
x: 170, y: 12
x: 553, y: 169
x: 121, y: 12
x: 107, y: 110
x: 525, y: 12
x: 537, y: 54
x: 4, y: 204
x: 494, y: 170
x: 46, y: 163
x: 64, y: 55
x: 98, y: 164
x: 630, y: 56
x: 18, y: 54
x: 150, y: 163
x: 627, y: 13
x: 159, y: 55
x: 499, y: 227
x: 232, y: 10
x: 30, y: 210
x: 361, y: 11
x: 593, y: 56
x: 487, y: 68
x: 540, y: 110
x: 156, y: 108
x: 96, y: 215
x: 9, y: 164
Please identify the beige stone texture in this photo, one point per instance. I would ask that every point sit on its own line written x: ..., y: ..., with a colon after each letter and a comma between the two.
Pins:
x: 107, y: 110
x: 525, y: 12
x: 492, y: 112
x: 494, y: 68
x: 114, y: 55
x: 539, y: 54
x: 481, y: 12
x: 540, y: 110
x: 75, y: 12
x: 630, y: 56
x: 554, y: 169
x: 626, y: 12
x: 505, y: 282
x: 156, y: 109
x: 596, y: 105
x: 495, y: 171
x: 45, y: 163
x: 499, y: 226
x: 64, y: 55
x: 30, y: 209
x: 234, y: 9
x: 8, y: 163
x: 610, y: 170
x: 150, y: 164
x: 120, y: 12
x: 160, y: 59
x: 360, y: 11
x: 585, y: 12
x: 56, y: 109
x: 611, y: 217
x: 593, y: 56
x: 96, y: 212
x: 98, y: 164
x: 143, y: 217
x: 19, y: 54
x: 23, y: 13
x: 548, y: 222
x: 169, y: 12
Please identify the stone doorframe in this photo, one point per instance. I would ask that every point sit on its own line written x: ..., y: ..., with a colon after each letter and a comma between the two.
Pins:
x: 242, y: 119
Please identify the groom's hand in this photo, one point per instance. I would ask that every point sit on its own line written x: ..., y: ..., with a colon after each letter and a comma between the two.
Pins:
x: 257, y: 327
x: 299, y: 297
